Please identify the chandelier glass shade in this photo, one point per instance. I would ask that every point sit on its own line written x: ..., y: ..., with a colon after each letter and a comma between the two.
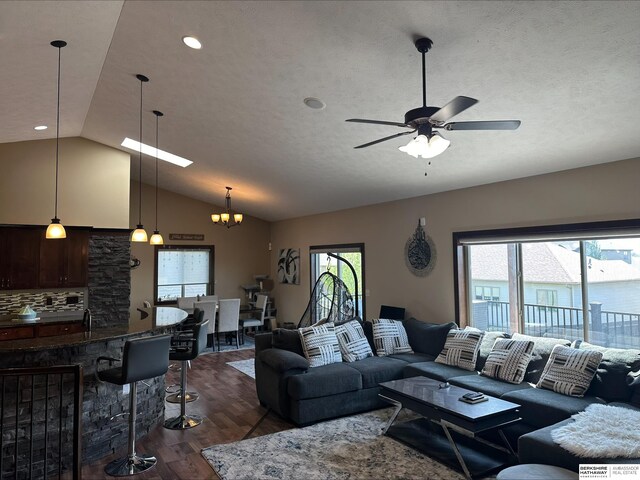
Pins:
x: 224, y: 218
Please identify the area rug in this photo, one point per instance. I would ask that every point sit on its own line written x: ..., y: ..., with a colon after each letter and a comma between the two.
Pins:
x: 247, y: 367
x: 249, y: 344
x: 346, y: 448
x: 601, y: 431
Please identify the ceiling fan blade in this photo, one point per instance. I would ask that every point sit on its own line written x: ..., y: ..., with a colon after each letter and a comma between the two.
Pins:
x: 453, y: 108
x: 490, y: 125
x: 385, y: 139
x: 377, y: 122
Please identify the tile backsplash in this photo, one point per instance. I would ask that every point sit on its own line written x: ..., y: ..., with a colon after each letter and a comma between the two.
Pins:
x: 48, y: 302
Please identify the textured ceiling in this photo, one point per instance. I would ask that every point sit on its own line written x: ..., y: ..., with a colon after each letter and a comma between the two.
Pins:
x: 569, y: 70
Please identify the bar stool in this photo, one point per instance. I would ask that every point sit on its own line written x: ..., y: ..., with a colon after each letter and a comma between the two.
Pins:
x: 186, y: 347
x: 175, y: 394
x: 143, y: 358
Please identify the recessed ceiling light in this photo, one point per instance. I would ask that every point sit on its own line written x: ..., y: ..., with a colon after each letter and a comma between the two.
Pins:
x: 192, y: 42
x: 151, y: 151
x: 40, y: 127
x: 314, y: 103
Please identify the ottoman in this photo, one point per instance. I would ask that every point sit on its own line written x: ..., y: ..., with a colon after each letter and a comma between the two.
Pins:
x: 536, y: 471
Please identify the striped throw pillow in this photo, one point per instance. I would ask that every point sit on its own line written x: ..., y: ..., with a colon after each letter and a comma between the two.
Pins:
x: 569, y: 371
x: 320, y: 345
x: 353, y: 343
x: 508, y: 360
x: 461, y: 348
x: 389, y: 337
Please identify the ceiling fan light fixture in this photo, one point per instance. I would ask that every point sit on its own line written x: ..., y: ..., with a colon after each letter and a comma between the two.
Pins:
x: 426, y: 146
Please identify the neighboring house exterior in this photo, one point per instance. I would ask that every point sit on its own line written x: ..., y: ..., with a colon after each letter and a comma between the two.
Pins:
x: 552, y: 277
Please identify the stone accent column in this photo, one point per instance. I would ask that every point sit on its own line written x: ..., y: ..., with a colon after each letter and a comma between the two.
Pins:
x: 109, y: 277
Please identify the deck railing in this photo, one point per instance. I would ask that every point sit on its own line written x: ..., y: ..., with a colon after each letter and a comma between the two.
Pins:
x: 606, y: 328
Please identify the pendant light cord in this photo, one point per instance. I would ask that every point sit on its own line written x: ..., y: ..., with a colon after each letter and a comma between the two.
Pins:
x: 140, y: 171
x: 55, y: 215
x: 157, y: 118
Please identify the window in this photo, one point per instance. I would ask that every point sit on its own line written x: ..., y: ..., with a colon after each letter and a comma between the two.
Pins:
x: 347, y: 263
x: 578, y: 281
x: 183, y: 271
x: 488, y: 293
x: 547, y: 298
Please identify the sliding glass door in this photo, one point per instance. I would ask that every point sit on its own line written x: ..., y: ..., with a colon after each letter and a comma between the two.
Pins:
x: 574, y: 288
x: 344, y: 261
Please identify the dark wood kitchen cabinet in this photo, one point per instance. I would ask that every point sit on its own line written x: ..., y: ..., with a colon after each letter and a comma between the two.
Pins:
x: 19, y: 256
x: 63, y: 262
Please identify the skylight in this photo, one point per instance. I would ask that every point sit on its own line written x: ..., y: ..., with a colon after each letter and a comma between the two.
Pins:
x: 151, y: 151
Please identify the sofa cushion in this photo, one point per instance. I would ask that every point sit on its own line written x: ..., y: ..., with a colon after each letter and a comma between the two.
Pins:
x: 323, y: 381
x: 389, y: 337
x: 320, y: 345
x: 615, y: 372
x: 352, y: 341
x: 425, y: 337
x: 542, y: 407
x: 508, y: 360
x: 486, y: 345
x: 287, y: 340
x: 541, y: 351
x: 569, y: 371
x: 368, y: 332
x: 375, y: 370
x: 413, y: 357
x: 437, y: 371
x: 461, y: 348
x: 490, y: 386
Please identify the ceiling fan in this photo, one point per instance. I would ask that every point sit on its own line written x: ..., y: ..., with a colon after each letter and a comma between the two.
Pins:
x: 425, y: 120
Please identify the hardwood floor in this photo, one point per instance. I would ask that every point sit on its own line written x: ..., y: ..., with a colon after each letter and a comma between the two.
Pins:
x: 230, y: 407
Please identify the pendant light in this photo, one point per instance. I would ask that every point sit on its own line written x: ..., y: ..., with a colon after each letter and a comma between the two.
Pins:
x: 140, y: 234
x: 55, y: 229
x: 156, y: 238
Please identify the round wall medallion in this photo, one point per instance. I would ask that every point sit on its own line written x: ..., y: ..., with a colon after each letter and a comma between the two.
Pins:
x: 420, y: 253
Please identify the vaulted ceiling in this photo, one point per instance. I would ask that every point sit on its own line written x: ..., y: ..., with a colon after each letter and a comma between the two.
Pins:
x: 569, y: 70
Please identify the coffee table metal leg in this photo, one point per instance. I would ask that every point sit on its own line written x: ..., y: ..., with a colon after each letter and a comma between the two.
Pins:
x: 467, y: 474
x: 507, y: 443
x: 394, y: 415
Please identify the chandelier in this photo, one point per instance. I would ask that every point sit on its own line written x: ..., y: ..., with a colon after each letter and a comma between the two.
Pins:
x: 224, y: 218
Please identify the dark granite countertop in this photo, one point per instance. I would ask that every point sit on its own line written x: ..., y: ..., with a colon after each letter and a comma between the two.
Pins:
x: 8, y: 322
x: 157, y: 319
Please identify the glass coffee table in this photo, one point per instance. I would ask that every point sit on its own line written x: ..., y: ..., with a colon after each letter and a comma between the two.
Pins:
x: 449, y: 429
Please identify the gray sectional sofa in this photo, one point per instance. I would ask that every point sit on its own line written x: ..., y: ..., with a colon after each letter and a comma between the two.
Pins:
x: 304, y: 395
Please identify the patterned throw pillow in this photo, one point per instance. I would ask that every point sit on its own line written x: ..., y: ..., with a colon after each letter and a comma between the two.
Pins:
x: 569, y: 371
x: 389, y: 337
x: 461, y: 348
x: 508, y: 360
x: 353, y: 343
x: 320, y: 345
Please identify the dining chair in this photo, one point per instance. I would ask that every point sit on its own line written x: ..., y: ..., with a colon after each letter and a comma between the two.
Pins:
x: 186, y: 303
x: 261, y: 302
x: 209, y: 308
x: 228, y: 318
x: 209, y: 298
